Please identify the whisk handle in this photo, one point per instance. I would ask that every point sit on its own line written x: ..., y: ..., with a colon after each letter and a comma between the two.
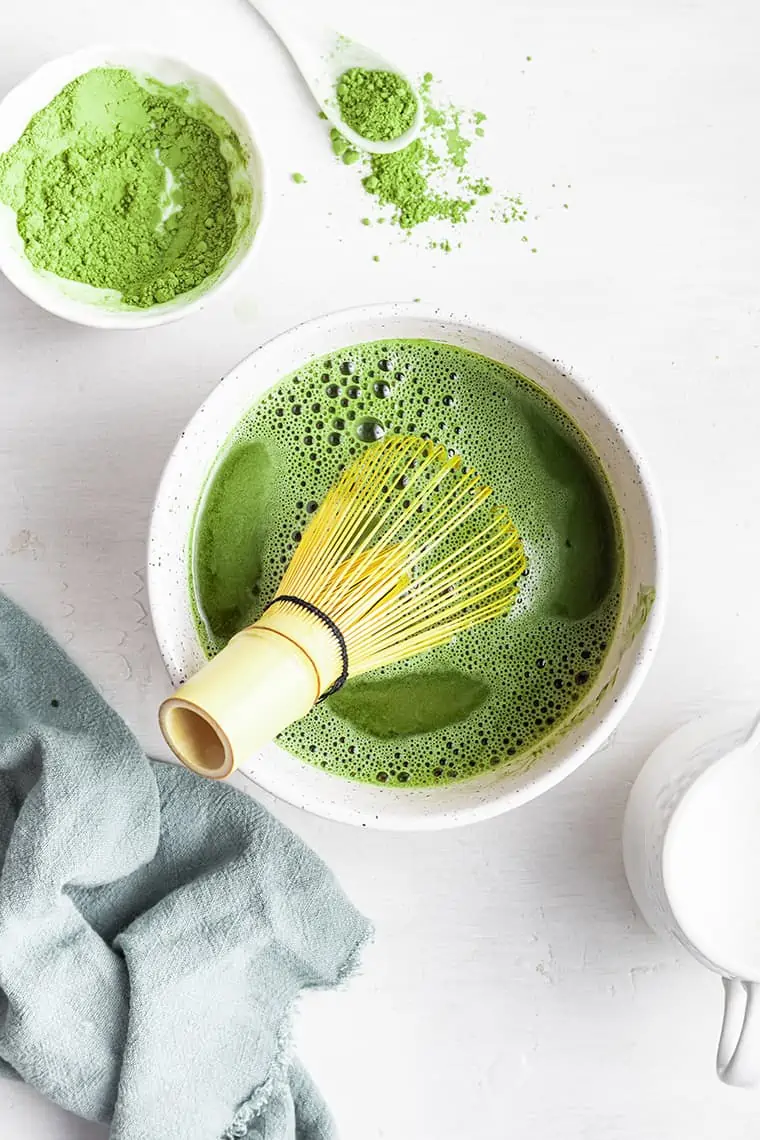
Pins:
x: 331, y: 626
x: 239, y: 701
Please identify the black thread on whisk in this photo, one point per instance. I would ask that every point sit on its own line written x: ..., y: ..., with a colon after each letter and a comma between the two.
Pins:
x: 334, y: 630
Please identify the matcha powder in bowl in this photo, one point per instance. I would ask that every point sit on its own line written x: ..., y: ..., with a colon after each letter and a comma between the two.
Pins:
x: 130, y: 198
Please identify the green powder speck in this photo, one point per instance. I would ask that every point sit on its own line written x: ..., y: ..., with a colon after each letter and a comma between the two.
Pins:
x: 123, y: 185
x: 366, y: 222
x: 509, y: 209
x: 339, y: 144
x: 375, y: 257
x: 480, y: 186
x: 378, y: 105
x: 457, y: 144
x: 298, y: 178
x: 350, y: 157
x: 434, y: 116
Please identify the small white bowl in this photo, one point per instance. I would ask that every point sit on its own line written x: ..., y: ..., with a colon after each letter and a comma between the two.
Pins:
x: 629, y: 654
x: 82, y: 303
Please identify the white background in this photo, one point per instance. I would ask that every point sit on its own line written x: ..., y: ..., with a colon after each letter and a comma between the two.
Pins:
x: 512, y: 991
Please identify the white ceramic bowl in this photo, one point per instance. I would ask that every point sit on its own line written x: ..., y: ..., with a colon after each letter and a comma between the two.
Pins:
x: 628, y: 656
x: 82, y: 303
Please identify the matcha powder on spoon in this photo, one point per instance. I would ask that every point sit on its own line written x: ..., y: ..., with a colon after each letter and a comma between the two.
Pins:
x: 123, y: 185
x: 378, y: 105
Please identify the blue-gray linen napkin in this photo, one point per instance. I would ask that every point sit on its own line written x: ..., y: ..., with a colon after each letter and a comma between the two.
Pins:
x: 155, y: 928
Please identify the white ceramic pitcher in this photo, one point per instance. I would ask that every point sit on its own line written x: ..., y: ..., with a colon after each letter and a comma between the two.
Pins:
x: 691, y: 844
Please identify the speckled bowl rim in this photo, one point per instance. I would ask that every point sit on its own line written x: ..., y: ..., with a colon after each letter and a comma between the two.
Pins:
x: 628, y: 657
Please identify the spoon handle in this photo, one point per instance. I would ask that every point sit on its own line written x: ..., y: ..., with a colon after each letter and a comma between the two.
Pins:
x: 302, y: 38
x: 271, y: 12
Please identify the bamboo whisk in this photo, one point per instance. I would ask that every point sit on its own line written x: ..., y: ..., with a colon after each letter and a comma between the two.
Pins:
x: 403, y: 554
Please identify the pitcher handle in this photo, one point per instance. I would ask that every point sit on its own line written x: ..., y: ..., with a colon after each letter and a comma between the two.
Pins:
x: 738, y: 1061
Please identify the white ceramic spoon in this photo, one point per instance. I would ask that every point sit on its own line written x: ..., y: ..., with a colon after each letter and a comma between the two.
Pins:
x: 322, y: 55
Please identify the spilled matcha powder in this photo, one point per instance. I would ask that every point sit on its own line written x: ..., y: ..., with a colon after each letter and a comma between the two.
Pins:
x: 128, y: 186
x: 429, y: 180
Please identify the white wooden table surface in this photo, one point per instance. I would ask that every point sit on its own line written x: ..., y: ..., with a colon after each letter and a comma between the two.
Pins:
x: 512, y: 991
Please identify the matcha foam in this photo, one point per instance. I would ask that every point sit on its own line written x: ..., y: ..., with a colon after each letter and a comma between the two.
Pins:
x: 491, y: 696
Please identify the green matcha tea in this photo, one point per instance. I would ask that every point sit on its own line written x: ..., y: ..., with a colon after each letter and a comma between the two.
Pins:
x: 489, y: 697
